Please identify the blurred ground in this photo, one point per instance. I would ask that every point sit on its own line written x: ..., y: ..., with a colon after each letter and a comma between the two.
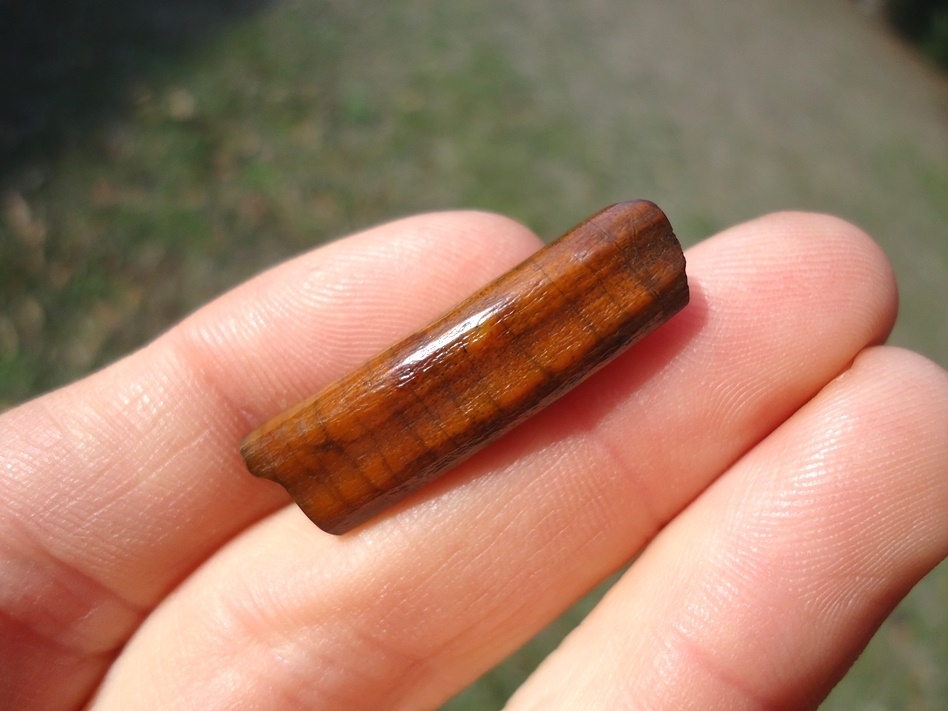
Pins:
x: 184, y: 146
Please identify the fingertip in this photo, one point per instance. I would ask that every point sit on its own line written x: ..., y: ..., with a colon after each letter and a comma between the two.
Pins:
x: 302, y: 323
x: 439, y: 256
x: 919, y: 375
x: 856, y: 253
x: 833, y: 270
x: 911, y: 394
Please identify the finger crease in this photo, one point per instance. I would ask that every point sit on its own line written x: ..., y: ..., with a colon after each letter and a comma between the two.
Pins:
x: 68, y: 626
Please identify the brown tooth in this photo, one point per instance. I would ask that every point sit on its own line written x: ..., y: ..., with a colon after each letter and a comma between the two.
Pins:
x: 408, y: 415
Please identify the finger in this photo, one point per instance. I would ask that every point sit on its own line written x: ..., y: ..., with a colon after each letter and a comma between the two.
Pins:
x: 762, y: 593
x: 422, y: 601
x: 115, y: 488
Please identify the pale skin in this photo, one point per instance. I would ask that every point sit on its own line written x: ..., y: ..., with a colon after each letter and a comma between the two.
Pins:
x: 787, y: 473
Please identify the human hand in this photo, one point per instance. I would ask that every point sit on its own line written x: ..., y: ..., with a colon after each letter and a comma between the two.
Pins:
x: 787, y: 474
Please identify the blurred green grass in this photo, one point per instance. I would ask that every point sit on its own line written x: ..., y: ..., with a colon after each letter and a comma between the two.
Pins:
x: 310, y: 119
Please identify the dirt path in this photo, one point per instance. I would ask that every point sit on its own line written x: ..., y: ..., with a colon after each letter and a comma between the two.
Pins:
x: 725, y: 111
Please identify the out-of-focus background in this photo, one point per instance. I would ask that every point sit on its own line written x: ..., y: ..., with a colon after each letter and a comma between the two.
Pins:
x: 154, y: 154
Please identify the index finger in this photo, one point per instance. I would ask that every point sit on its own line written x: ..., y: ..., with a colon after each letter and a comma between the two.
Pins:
x: 115, y: 488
